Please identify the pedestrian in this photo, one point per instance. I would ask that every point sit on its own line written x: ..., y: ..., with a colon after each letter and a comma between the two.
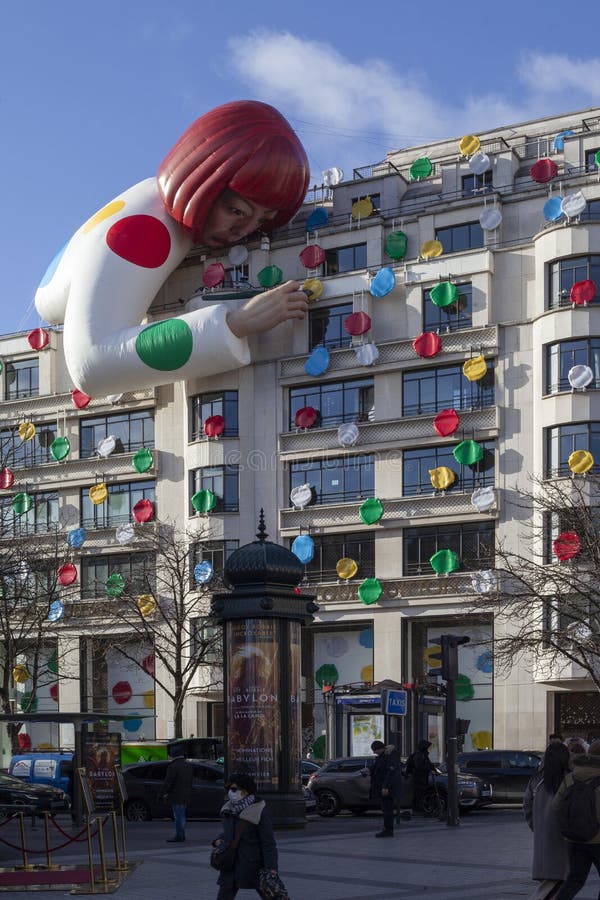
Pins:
x: 418, y: 768
x: 556, y: 736
x: 550, y: 863
x: 177, y: 788
x: 581, y: 854
x: 385, y: 774
x: 246, y: 824
x: 576, y: 746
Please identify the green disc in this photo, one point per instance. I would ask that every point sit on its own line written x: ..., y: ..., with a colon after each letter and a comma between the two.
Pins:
x: 203, y: 501
x: 327, y: 674
x: 270, y: 276
x: 444, y: 294
x: 60, y: 448
x: 370, y: 591
x: 371, y: 511
x: 396, y: 244
x: 467, y: 453
x: 143, y: 460
x: 444, y: 561
x: 22, y: 503
x: 115, y: 585
x: 421, y: 168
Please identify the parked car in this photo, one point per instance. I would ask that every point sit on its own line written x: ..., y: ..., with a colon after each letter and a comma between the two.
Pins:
x: 38, y: 798
x: 308, y: 768
x: 344, y: 784
x: 144, y: 783
x: 49, y: 767
x: 508, y: 771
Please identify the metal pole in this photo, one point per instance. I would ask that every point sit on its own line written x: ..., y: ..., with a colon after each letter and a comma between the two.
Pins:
x: 452, y: 817
x: 23, y: 841
x: 116, y: 839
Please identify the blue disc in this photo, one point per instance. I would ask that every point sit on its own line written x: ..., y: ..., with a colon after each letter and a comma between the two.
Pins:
x: 317, y: 218
x: 383, y: 283
x: 304, y: 548
x: 203, y: 572
x: 553, y: 209
x: 76, y: 537
x: 317, y: 362
x: 56, y: 611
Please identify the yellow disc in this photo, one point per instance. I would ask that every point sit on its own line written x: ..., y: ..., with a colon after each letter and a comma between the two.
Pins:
x: 366, y: 674
x: 109, y: 210
x: 481, y: 740
x: 20, y: 673
x: 431, y: 249
x: 98, y: 493
x: 474, y: 369
x: 362, y: 209
x: 26, y: 431
x: 469, y: 144
x: 442, y: 478
x: 146, y: 605
x: 148, y: 699
x: 314, y: 287
x: 346, y: 568
x: 581, y: 461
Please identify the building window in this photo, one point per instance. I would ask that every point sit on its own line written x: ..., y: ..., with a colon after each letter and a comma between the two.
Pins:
x: 326, y: 326
x: 472, y: 541
x: 16, y: 453
x: 345, y: 259
x: 223, y: 481
x: 207, y: 641
x: 136, y: 568
x: 236, y: 277
x: 42, y: 517
x: 122, y: 497
x: 426, y: 391
x: 449, y: 318
x: 329, y: 548
x: 564, y: 273
x: 21, y: 379
x: 591, y: 212
x: 215, y: 552
x: 591, y: 164
x: 341, y: 401
x: 562, y: 440
x: 477, y: 184
x: 562, y: 356
x: 456, y: 238
x: 339, y: 480
x: 561, y: 612
x: 417, y: 463
x: 215, y: 403
x: 131, y: 431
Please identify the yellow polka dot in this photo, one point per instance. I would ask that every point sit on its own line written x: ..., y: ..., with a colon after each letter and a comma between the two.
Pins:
x: 148, y: 699
x: 109, y: 210
x: 366, y: 674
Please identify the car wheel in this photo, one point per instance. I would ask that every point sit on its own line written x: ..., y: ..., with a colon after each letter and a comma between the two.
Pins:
x: 328, y: 804
x: 433, y: 804
x: 137, y: 811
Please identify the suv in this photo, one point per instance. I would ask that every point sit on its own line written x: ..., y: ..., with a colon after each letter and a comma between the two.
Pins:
x: 508, y: 771
x: 344, y: 784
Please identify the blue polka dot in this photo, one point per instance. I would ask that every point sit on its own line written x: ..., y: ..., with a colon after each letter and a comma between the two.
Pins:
x: 49, y: 273
x: 366, y: 638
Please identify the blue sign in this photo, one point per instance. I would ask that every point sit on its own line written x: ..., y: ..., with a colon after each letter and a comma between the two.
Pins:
x: 395, y: 703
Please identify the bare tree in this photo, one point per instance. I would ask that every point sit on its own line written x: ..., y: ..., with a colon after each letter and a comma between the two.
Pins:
x: 544, y: 591
x: 164, y: 606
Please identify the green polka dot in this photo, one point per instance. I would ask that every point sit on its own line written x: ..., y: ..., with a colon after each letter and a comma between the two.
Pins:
x: 166, y: 345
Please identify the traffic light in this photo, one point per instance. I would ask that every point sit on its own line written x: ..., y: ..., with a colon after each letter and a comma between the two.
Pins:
x: 442, y: 655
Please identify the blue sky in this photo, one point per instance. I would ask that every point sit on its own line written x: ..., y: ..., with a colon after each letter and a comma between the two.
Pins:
x: 92, y: 96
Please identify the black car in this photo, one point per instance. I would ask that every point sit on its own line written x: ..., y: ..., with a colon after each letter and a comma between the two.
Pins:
x: 344, y: 784
x: 508, y: 771
x: 145, y: 783
x: 35, y: 798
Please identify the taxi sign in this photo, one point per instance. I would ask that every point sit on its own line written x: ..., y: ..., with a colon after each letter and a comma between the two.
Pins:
x: 394, y: 703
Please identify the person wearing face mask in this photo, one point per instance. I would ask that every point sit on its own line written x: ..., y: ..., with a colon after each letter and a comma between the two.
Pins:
x: 247, y: 824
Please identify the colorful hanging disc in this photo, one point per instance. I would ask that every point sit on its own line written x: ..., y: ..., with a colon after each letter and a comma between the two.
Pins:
x: 318, y: 361
x: 479, y: 163
x: 98, y: 493
x: 147, y: 605
x: 444, y: 294
x: 483, y: 498
x: 317, y: 219
x: 490, y: 218
x: 431, y: 249
x: 583, y: 292
x: 56, y: 611
x: 301, y: 495
x: 312, y: 256
x: 444, y: 561
x: 396, y: 244
x: 469, y: 144
x: 346, y: 568
x: 67, y: 574
x: 203, y: 501
x: 22, y: 503
x: 29, y: 702
x: 115, y: 585
x: 143, y: 511
x: 20, y: 673
x: 213, y: 275
x: 558, y: 144
x: 80, y: 400
x: 475, y: 369
x: 371, y: 511
x: 214, y: 426
x: 38, y: 339
x: 142, y: 460
x: 270, y: 276
x: 580, y: 462
x: 553, y: 209
x: 421, y: 168
x: 383, y: 283
x: 304, y: 548
x: 441, y: 478
x: 106, y: 446
x: 347, y: 434
x: 306, y: 417
x: 573, y: 204
x: 357, y: 323
x: 467, y: 453
x: 203, y: 572
x: 238, y: 255
x: 7, y: 478
x: 543, y: 170
x: 580, y: 377
x: 26, y: 431
x: 76, y: 538
x: 370, y: 591
x: 366, y: 354
x: 60, y: 448
x: 363, y: 208
x: 567, y: 545
x: 428, y: 344
x: 313, y: 288
x: 125, y: 533
x: 446, y: 422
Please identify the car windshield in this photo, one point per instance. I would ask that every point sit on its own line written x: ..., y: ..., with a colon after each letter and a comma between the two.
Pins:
x: 9, y: 780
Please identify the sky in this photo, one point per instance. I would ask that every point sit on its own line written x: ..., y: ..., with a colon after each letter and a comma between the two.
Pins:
x: 93, y: 95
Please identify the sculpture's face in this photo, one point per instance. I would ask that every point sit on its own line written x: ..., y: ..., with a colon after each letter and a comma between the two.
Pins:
x: 233, y: 218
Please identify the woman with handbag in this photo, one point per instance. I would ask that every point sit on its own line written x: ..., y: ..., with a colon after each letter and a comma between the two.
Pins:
x: 248, y: 832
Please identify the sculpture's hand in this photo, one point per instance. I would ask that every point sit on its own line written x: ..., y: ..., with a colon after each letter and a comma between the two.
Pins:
x: 263, y: 312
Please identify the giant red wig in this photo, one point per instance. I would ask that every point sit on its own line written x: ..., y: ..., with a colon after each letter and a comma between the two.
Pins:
x: 246, y: 146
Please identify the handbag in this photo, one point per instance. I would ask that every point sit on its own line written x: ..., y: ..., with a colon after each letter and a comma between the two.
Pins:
x: 223, y: 858
x: 271, y: 886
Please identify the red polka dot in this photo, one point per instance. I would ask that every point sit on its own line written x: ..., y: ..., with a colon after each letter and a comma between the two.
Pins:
x: 141, y: 240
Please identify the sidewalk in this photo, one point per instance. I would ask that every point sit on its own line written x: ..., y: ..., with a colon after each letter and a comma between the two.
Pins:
x: 487, y: 857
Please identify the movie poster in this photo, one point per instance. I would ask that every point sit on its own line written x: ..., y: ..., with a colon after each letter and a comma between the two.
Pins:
x: 253, y: 710
x: 102, y: 752
x: 295, y: 737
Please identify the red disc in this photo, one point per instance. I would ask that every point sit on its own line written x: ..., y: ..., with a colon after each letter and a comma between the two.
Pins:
x: 543, y: 170
x: 583, y: 292
x: 312, y: 256
x: 427, y: 344
x: 24, y: 742
x: 54, y: 692
x: 446, y: 422
x: 6, y: 479
x: 357, y: 323
x: 80, y: 399
x: 214, y: 426
x: 143, y: 511
x: 306, y: 417
x: 567, y: 545
x: 148, y: 664
x: 141, y: 240
x: 122, y: 692
x: 213, y: 275
x: 67, y: 574
x: 38, y: 338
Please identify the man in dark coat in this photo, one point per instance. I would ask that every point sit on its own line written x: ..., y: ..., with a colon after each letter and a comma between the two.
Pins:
x: 385, y: 778
x: 418, y: 767
x: 177, y: 788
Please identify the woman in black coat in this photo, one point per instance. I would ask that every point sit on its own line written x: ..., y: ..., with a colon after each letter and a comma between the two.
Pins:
x: 245, y: 817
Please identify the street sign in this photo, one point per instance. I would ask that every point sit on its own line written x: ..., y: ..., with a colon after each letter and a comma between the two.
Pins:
x: 394, y: 703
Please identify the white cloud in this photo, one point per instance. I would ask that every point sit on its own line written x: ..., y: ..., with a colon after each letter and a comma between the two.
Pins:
x: 350, y: 112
